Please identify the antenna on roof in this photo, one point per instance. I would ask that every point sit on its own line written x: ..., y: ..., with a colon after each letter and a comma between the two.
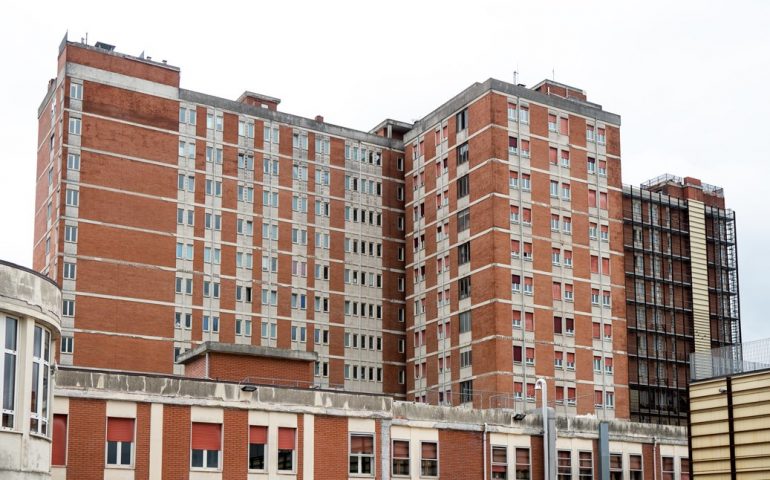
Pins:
x: 86, y: 38
x: 141, y: 55
x: 553, y: 74
x: 516, y: 76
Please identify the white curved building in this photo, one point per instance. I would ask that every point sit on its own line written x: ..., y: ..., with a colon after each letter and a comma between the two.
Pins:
x: 30, y: 311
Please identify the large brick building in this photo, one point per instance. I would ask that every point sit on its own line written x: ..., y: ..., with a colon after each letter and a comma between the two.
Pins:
x: 450, y: 261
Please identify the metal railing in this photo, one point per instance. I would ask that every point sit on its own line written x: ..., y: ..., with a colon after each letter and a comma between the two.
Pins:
x: 730, y: 360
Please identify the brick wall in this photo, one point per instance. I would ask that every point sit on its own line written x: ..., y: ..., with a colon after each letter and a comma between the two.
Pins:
x: 85, y: 455
x: 460, y: 455
x: 331, y: 456
x: 176, y: 442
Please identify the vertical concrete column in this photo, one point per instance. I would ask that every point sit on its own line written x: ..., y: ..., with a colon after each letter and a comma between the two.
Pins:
x: 699, y: 274
x: 156, y: 441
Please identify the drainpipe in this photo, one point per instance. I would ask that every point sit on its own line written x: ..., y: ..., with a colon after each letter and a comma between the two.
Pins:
x: 543, y: 387
x: 484, y: 446
x: 654, y: 458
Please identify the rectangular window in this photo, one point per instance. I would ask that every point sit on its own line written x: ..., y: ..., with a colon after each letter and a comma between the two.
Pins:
x: 76, y: 91
x: 585, y: 464
x: 667, y: 468
x: 73, y: 161
x: 563, y: 459
x: 616, y: 466
x: 401, y: 457
x: 429, y: 459
x: 464, y: 253
x: 462, y: 120
x: 462, y: 153
x: 8, y: 360
x: 257, y: 447
x: 361, y: 457
x: 464, y: 286
x: 522, y: 461
x: 635, y: 468
x: 70, y: 233
x: 499, y: 462
x: 41, y: 374
x: 206, y: 444
x: 75, y: 126
x: 72, y: 197
x: 286, y: 447
x: 463, y: 186
x: 120, y: 441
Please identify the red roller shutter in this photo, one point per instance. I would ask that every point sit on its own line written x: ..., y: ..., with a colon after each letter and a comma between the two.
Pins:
x: 286, y: 438
x: 258, y: 435
x: 206, y: 436
x: 120, y: 429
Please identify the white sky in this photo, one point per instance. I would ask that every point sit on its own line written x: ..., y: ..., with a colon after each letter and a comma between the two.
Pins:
x: 690, y: 79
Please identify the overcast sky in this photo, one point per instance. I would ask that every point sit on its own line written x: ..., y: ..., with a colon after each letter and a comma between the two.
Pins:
x: 690, y: 79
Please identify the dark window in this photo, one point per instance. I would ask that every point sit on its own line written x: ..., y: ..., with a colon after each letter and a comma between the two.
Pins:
x: 463, y: 186
x: 462, y: 153
x: 465, y: 321
x: 464, y: 253
x: 464, y: 287
x: 463, y: 219
x: 466, y: 391
x: 462, y: 120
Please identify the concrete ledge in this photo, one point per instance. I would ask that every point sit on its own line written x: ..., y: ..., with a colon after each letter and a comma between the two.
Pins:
x: 247, y: 350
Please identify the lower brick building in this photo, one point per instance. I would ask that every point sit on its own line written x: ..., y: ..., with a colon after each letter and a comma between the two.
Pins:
x: 137, y: 426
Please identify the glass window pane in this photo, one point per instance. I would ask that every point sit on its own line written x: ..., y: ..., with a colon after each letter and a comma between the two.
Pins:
x: 197, y: 458
x: 112, y: 453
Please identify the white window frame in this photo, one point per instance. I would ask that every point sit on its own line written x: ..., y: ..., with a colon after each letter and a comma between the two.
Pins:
x: 41, y: 412
x: 8, y: 411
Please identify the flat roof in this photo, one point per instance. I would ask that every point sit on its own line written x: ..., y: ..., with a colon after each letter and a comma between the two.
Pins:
x: 247, y: 350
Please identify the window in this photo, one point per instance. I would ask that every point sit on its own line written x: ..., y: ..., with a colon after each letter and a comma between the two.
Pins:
x: 73, y: 161
x: 462, y: 120
x: 72, y: 197
x: 464, y: 253
x: 67, y: 344
x: 635, y: 467
x: 563, y: 461
x: 206, y: 444
x: 75, y: 126
x: 286, y: 446
x: 552, y: 125
x: 463, y: 186
x: 463, y: 219
x: 668, y: 468
x: 464, y: 286
x: 522, y: 462
x: 499, y: 462
x: 466, y: 358
x: 462, y: 153
x: 70, y: 233
x: 401, y: 457
x: 513, y: 145
x: 465, y: 321
x: 8, y: 339
x: 585, y: 464
x: 41, y: 374
x: 684, y: 469
x: 466, y: 391
x: 76, y: 91
x: 429, y: 459
x: 257, y: 447
x: 120, y: 441
x: 361, y: 460
x: 59, y: 441
x: 523, y: 113
x: 616, y: 466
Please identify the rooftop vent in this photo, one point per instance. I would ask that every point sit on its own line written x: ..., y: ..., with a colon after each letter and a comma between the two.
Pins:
x: 105, y: 46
